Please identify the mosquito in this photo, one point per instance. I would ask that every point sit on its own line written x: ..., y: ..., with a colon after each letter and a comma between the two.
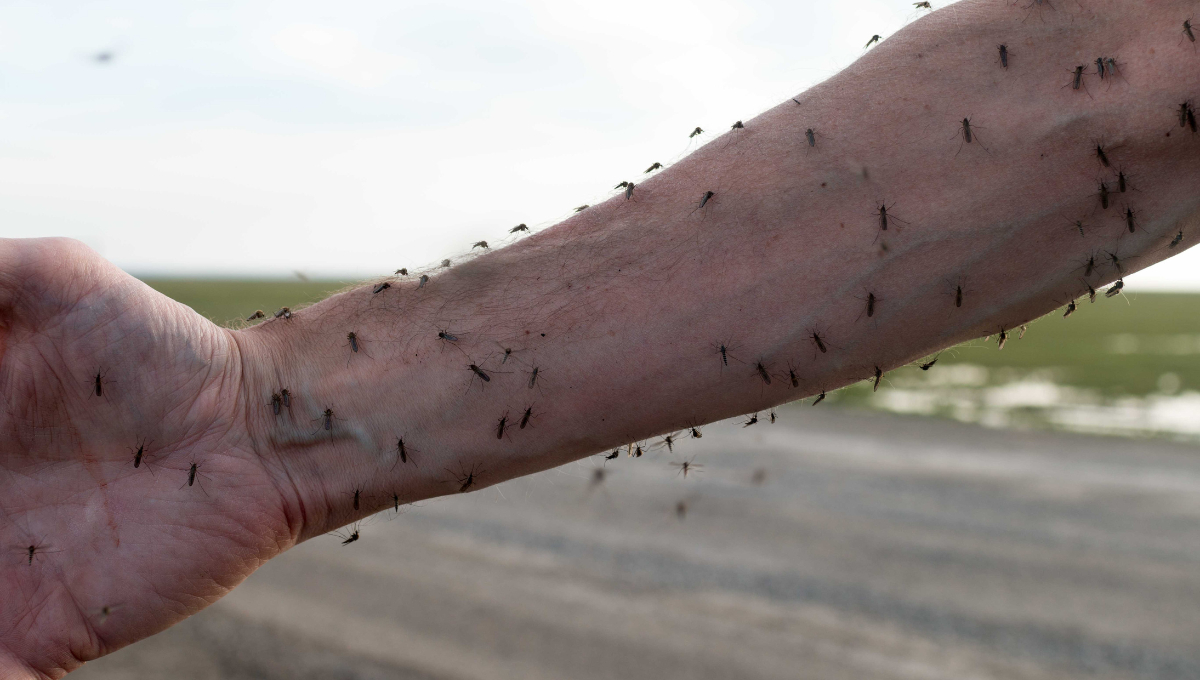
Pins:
x: 519, y: 228
x: 697, y: 131
x: 466, y: 478
x: 36, y: 549
x: 688, y: 466
x: 381, y: 287
x: 1175, y: 241
x: 929, y: 364
x: 403, y: 271
x: 98, y: 381
x: 258, y: 314
x: 285, y: 312
x: 140, y: 455
x: 1116, y: 288
x: 819, y: 341
x: 762, y: 372
x: 503, y: 423
x: 526, y: 416
x: 581, y: 208
x: 1070, y: 309
x: 820, y: 398
x: 1003, y: 55
x: 874, y: 39
x: 753, y: 420
x: 652, y: 168
x: 878, y: 377
x: 968, y: 135
x: 193, y: 475
x: 480, y: 244
x: 351, y: 535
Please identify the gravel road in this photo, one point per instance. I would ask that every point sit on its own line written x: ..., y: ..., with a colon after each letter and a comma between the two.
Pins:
x: 833, y: 544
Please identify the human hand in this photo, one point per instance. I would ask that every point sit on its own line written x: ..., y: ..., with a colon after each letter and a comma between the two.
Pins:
x: 100, y: 549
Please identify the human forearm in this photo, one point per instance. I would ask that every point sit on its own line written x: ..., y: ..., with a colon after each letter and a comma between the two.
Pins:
x: 623, y: 308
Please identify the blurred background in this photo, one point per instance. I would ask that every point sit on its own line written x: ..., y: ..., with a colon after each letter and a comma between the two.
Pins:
x: 1024, y: 513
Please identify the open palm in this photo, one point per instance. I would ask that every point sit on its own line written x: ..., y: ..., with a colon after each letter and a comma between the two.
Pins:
x: 98, y: 548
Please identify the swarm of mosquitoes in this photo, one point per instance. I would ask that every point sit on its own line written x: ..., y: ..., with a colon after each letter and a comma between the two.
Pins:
x: 1109, y: 192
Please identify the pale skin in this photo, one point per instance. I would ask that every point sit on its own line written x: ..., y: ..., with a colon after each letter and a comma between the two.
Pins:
x: 622, y: 309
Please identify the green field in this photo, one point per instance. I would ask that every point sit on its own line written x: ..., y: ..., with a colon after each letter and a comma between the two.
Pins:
x: 1126, y: 365
x: 229, y: 302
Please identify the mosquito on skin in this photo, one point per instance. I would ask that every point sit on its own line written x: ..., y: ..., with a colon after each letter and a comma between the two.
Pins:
x: 1175, y: 241
x: 968, y: 135
x: 929, y: 364
x: 519, y: 228
x: 98, y: 382
x: 381, y: 287
x: 195, y: 475
x: 762, y: 372
x: 752, y: 420
x: 819, y: 341
x: 258, y: 314
x: 1130, y: 219
x: 697, y: 131
x: 652, y: 168
x: 480, y: 244
x: 327, y: 417
x: 1003, y: 55
x: 35, y: 549
x: 526, y: 417
x: 403, y: 451
x: 1070, y: 309
x: 501, y: 425
x: 1116, y: 288
x: 403, y: 271
x: 725, y: 350
x: 465, y: 478
x: 140, y: 456
x: 878, y: 377
x: 820, y: 398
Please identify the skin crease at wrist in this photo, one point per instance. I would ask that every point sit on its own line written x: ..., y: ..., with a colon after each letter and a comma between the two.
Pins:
x: 622, y: 310
x: 623, y: 307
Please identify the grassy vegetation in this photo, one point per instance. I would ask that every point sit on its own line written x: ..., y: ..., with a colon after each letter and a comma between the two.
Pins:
x: 229, y: 302
x: 1118, y: 346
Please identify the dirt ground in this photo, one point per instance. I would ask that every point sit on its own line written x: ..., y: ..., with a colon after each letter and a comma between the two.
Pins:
x: 832, y: 544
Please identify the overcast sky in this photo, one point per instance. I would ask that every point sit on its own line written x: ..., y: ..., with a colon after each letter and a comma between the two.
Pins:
x: 235, y: 137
